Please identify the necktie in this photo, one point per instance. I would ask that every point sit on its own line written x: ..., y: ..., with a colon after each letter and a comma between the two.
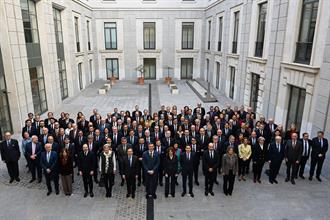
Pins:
x: 194, y: 148
x: 85, y: 153
x: 8, y: 143
x: 215, y: 146
x: 151, y: 155
x: 168, y: 140
x: 115, y: 138
x: 321, y: 143
x: 278, y: 148
x: 141, y: 147
x: 188, y: 156
x: 305, y: 148
x: 48, y: 156
x: 156, y: 135
x: 211, y: 155
x: 130, y: 161
x: 125, y: 148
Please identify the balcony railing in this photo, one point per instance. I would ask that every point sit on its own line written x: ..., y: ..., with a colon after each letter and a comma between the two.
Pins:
x: 78, y: 46
x: 208, y: 45
x: 219, y: 45
x: 303, y: 52
x: 259, y: 49
x: 234, y: 48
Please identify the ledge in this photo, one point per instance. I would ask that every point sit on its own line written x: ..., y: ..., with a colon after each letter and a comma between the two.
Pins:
x: 301, y: 67
x: 218, y: 53
x: 187, y: 51
x: 78, y: 54
x: 110, y: 51
x: 90, y: 51
x: 150, y: 51
x: 257, y: 60
x: 233, y: 55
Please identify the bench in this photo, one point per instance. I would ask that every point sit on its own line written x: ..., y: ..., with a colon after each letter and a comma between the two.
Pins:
x: 103, y: 90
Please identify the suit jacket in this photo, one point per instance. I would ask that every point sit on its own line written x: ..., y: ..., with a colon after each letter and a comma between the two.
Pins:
x: 121, y: 153
x: 259, y: 154
x: 86, y: 164
x: 150, y: 163
x: 133, y: 142
x: 138, y: 151
x: 130, y: 171
x: 205, y: 143
x: 38, y: 150
x: 310, y: 146
x: 210, y: 163
x: 33, y: 130
x: 166, y: 144
x: 51, y: 164
x: 171, y: 166
x: 293, y: 154
x: 10, y: 153
x: 317, y: 149
x: 275, y: 155
x: 187, y: 165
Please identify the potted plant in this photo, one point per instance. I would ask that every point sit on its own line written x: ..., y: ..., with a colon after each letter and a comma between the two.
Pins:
x: 141, y: 75
x: 168, y: 79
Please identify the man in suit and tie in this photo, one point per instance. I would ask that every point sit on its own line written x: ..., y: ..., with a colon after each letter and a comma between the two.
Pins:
x: 10, y: 154
x: 210, y: 165
x: 49, y: 165
x: 168, y: 141
x: 29, y: 128
x: 306, y: 149
x: 92, y: 146
x: 86, y: 167
x: 121, y: 154
x: 33, y: 152
x: 92, y: 118
x: 130, y: 172
x: 187, y: 165
x: 292, y: 154
x: 116, y: 138
x: 195, y: 148
x: 275, y: 158
x: 132, y: 139
x: 203, y: 140
x: 150, y: 162
x: 319, y: 150
x: 139, y: 150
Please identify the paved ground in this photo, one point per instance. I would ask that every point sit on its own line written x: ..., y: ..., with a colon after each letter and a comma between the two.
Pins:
x: 305, y: 200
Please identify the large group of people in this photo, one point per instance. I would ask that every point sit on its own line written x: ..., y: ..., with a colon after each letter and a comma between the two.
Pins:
x: 153, y: 149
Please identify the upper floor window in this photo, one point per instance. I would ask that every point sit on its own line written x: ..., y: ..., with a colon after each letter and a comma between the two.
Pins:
x: 88, y: 35
x: 220, y: 33
x: 149, y: 35
x: 76, y: 28
x: 110, y: 35
x: 235, y: 36
x: 30, y: 24
x: 187, y: 35
x: 261, y: 29
x: 306, y: 31
x: 209, y: 35
x: 58, y: 25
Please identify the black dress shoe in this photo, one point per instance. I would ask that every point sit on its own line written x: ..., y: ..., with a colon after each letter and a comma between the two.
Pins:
x: 229, y: 194
x: 133, y: 196
x: 183, y: 194
x: 275, y: 181
x: 176, y: 183
x: 173, y: 195
x: 226, y: 193
x: 57, y: 192
x: 271, y: 181
x: 96, y: 181
x: 154, y: 196
x: 48, y: 193
x: 17, y: 179
x: 212, y: 193
x: 293, y: 182
x: 139, y: 183
x: 192, y: 195
x: 11, y: 180
x: 85, y: 194
x: 166, y: 195
x: 206, y: 193
x: 39, y: 180
x: 216, y: 182
x: 310, y: 178
x: 197, y: 183
x: 127, y: 195
x: 161, y: 184
x: 122, y: 183
x: 32, y: 180
x: 302, y: 177
x: 91, y: 194
x: 319, y: 179
x: 259, y: 181
x: 286, y: 180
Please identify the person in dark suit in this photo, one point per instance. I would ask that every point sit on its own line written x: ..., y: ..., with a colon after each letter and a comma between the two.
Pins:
x: 171, y: 171
x: 275, y: 158
x: 10, y: 154
x: 55, y: 146
x: 307, y: 145
x: 292, y: 154
x: 121, y: 154
x: 168, y: 141
x: 210, y: 165
x: 29, y: 128
x: 107, y: 168
x: 132, y: 139
x: 139, y: 150
x: 195, y: 148
x: 49, y: 165
x: 187, y: 165
x: 92, y: 146
x: 319, y: 150
x: 259, y: 153
x: 86, y: 166
x: 33, y: 152
x: 130, y: 172
x: 150, y: 162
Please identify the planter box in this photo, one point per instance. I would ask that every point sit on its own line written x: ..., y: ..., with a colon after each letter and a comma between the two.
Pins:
x: 174, y: 90
x: 141, y: 80
x: 103, y: 90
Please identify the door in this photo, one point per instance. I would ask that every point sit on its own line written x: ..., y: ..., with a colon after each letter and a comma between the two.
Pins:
x: 112, y: 68
x: 255, y: 79
x: 149, y: 68
x: 217, y: 80
x: 296, y: 107
x: 187, y: 68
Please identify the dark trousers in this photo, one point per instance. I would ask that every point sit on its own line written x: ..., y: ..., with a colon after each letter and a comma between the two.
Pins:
x: 291, y: 169
x: 274, y: 168
x: 52, y: 176
x: 302, y: 165
x: 196, y: 167
x: 88, y: 182
x: 188, y: 176
x: 35, y: 168
x: 209, y: 180
x: 243, y: 166
x: 160, y: 173
x: 247, y: 168
x: 12, y: 168
x: 170, y: 180
x: 108, y: 180
x: 131, y: 184
x: 257, y: 169
x: 151, y: 183
x: 228, y: 182
x: 141, y: 174
x: 316, y: 161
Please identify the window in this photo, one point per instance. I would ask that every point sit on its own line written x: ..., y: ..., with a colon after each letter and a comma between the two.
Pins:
x: 91, y: 70
x: 30, y: 25
x: 220, y: 33
x: 112, y: 68
x: 217, y: 81
x: 88, y: 36
x: 261, y: 29
x: 209, y: 36
x: 38, y: 90
x: 207, y: 69
x: 110, y: 35
x: 76, y: 28
x: 149, y: 68
x: 306, y: 33
x: 187, y: 35
x: 149, y: 35
x: 296, y: 106
x: 187, y: 68
x: 254, y: 90
x: 235, y: 36
x: 60, y: 53
x: 232, y: 82
x: 80, y: 78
